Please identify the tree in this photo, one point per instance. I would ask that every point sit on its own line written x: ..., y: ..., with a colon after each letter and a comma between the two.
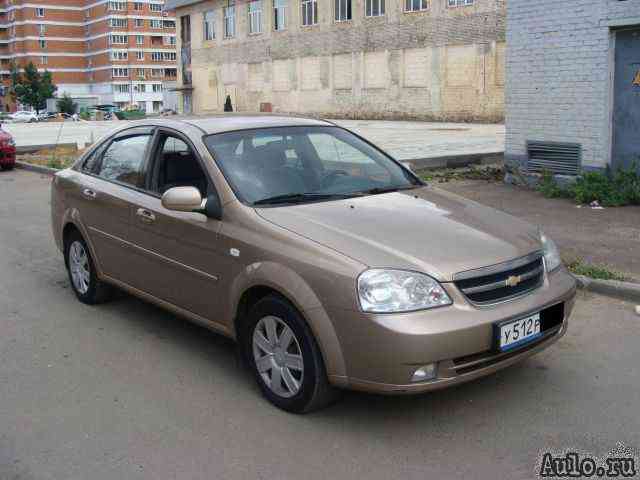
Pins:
x: 32, y: 88
x: 67, y: 105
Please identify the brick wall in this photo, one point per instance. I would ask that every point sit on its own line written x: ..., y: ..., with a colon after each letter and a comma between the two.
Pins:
x: 443, y: 63
x: 558, y: 74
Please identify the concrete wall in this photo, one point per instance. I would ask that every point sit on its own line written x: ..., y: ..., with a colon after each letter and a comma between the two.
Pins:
x: 443, y: 63
x: 559, y: 74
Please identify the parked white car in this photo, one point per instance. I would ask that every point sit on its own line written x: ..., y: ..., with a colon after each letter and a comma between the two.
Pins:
x: 24, y: 116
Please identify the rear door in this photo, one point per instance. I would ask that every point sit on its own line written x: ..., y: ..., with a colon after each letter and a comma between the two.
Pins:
x: 104, y: 193
x: 178, y: 256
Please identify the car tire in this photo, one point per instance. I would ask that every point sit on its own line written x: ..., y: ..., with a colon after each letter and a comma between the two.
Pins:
x: 82, y: 272
x: 313, y: 389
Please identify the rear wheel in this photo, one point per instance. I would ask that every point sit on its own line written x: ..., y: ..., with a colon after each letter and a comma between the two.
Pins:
x: 82, y: 273
x: 285, y: 357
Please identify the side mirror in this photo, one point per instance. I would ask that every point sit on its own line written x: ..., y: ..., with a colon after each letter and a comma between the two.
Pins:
x: 212, y: 207
x: 182, y: 199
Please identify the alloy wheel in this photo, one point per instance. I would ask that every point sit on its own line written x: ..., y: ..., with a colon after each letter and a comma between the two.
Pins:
x: 79, y: 267
x: 278, y: 356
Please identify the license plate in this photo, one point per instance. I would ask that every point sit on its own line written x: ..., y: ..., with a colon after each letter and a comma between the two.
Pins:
x: 515, y: 333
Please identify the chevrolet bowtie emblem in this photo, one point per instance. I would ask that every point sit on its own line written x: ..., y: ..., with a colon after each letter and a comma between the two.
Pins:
x: 512, y: 281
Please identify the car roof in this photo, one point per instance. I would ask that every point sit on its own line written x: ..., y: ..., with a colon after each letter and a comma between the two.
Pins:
x: 230, y: 122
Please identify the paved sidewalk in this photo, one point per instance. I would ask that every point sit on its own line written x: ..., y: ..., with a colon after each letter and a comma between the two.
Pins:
x: 610, y: 236
x: 404, y: 140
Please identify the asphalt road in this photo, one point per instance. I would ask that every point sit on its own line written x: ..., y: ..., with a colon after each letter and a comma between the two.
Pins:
x: 127, y: 391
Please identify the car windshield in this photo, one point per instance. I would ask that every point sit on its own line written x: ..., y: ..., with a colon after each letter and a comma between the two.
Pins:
x: 302, y: 164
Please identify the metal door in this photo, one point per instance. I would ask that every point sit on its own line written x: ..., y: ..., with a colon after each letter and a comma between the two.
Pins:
x: 626, y: 106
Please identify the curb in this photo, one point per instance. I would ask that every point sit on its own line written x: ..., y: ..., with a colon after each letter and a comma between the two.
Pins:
x: 36, y: 168
x: 453, y: 161
x: 613, y: 288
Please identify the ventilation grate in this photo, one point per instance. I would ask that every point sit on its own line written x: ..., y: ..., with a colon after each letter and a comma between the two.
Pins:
x: 557, y: 158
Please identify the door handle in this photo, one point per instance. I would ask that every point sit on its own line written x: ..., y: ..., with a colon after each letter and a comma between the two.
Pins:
x: 145, y: 215
x: 90, y: 194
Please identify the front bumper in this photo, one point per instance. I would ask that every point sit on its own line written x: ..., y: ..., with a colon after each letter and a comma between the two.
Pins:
x: 381, y: 352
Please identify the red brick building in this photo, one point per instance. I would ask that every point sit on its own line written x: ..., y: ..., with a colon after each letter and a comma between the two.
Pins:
x: 116, y: 52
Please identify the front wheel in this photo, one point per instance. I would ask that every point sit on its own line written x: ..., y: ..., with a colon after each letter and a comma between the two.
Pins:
x: 285, y: 357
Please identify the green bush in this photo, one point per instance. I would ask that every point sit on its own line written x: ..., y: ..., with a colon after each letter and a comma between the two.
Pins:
x: 610, y: 189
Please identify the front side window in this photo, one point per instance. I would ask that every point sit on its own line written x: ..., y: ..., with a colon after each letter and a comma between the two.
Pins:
x: 229, y: 13
x: 308, y: 163
x: 176, y: 166
x: 209, y: 20
x: 342, y: 10
x: 415, y: 5
x: 123, y: 160
x: 374, y: 8
x: 279, y: 14
x: 255, y: 16
x: 309, y: 12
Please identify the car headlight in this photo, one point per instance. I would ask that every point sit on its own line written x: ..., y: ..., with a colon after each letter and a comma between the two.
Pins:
x: 552, y: 258
x: 385, y: 291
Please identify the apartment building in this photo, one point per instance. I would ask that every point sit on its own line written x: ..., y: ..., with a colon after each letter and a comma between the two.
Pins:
x: 424, y: 59
x: 99, y: 52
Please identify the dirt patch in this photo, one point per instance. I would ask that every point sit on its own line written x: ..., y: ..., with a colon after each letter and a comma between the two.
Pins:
x: 61, y: 157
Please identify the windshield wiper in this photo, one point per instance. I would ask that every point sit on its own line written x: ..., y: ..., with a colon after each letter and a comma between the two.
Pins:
x: 300, y: 197
x: 378, y: 190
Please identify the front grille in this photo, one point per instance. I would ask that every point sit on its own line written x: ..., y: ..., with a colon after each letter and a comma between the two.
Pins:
x: 502, y: 282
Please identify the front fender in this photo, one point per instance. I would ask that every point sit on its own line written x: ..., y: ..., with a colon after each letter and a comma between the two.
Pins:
x: 293, y: 287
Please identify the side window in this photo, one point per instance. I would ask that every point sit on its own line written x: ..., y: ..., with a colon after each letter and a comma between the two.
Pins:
x: 123, y: 160
x: 89, y: 163
x: 177, y: 166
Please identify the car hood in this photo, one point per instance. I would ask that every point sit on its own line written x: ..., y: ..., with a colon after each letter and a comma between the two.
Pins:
x: 424, y: 229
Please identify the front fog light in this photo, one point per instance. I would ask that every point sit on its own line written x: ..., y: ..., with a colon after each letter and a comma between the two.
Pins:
x: 425, y: 373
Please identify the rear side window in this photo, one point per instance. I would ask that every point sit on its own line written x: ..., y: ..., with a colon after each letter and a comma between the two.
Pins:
x: 123, y: 160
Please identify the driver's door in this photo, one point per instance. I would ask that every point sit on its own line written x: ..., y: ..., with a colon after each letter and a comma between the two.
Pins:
x: 178, y: 253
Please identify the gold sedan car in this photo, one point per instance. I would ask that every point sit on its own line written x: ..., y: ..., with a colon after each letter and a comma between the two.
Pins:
x: 331, y: 264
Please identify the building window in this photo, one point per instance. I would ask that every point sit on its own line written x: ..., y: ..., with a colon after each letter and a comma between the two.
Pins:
x: 156, y: 87
x: 118, y: 22
x: 169, y: 40
x: 255, y: 16
x: 460, y: 3
x: 342, y: 10
x: 168, y: 24
x: 121, y: 88
x: 374, y: 8
x: 42, y: 28
x: 156, y: 56
x: 117, y: 5
x: 119, y: 39
x: 119, y: 55
x: 279, y: 14
x: 229, y: 14
x: 139, y: 39
x: 140, y: 88
x: 155, y: 7
x: 309, y: 12
x: 43, y: 60
x: 140, y: 72
x: 157, y: 72
x: 415, y: 5
x: 42, y: 43
x: 139, y: 22
x: 138, y: 6
x: 155, y: 23
x: 185, y: 29
x: 139, y: 55
x: 39, y: 12
x: 171, y: 72
x: 209, y: 20
x: 120, y: 72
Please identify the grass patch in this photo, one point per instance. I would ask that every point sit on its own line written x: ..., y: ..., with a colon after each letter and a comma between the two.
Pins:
x: 600, y: 272
x: 490, y: 173
x: 609, y: 189
x: 58, y: 158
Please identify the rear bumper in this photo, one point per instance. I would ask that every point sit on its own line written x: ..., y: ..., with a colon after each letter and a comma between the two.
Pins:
x: 381, y: 352
x: 7, y: 156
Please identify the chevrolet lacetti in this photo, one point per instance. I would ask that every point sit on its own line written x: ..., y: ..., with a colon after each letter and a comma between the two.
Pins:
x: 332, y: 265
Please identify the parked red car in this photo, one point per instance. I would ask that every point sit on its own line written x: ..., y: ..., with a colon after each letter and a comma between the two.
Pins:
x: 7, y: 150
